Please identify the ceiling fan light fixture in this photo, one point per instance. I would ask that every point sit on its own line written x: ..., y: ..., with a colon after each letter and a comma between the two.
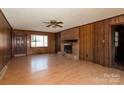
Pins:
x: 54, y: 23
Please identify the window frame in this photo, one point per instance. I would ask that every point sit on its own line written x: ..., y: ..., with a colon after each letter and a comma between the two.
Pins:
x: 43, y: 41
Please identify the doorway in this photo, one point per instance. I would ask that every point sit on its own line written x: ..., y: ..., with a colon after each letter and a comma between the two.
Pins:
x: 20, y: 44
x: 118, y: 43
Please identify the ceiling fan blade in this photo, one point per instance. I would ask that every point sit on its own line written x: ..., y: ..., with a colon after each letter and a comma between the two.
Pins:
x: 59, y: 25
x: 59, y: 22
x: 48, y: 25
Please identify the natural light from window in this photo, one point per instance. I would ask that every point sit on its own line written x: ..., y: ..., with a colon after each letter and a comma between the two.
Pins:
x: 39, y: 41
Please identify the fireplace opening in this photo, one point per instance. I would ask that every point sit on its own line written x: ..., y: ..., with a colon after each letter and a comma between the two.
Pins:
x: 68, y: 48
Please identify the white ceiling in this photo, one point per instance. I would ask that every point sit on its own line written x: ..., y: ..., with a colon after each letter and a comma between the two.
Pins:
x: 32, y: 18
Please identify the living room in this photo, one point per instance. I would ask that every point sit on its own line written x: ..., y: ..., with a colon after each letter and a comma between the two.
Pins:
x: 61, y: 46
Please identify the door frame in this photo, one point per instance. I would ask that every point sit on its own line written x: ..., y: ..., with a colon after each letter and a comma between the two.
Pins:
x: 13, y: 44
x: 113, y: 44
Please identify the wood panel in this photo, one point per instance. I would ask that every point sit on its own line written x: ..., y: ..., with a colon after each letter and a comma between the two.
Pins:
x: 90, y: 42
x: 121, y: 19
x: 99, y: 42
x: 108, y: 43
x: 114, y: 20
x: 102, y: 42
x: 41, y: 50
x: 5, y: 41
x: 86, y: 42
x: 58, y: 42
x: 70, y: 34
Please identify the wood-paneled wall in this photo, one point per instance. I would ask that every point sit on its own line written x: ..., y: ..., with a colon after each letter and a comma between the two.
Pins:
x: 86, y: 42
x: 58, y: 42
x: 95, y: 40
x: 5, y: 41
x: 70, y: 34
x: 101, y: 43
x: 51, y: 42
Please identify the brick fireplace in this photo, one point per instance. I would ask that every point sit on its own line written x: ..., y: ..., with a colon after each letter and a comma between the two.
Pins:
x: 70, y: 43
x: 70, y: 49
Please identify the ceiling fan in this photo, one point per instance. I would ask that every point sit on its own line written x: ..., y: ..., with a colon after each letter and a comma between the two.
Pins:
x: 54, y: 23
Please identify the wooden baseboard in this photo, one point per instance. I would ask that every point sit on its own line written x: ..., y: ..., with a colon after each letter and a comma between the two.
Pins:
x: 3, y: 71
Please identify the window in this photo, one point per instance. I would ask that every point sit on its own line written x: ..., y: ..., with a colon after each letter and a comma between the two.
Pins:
x: 116, y: 39
x: 39, y: 41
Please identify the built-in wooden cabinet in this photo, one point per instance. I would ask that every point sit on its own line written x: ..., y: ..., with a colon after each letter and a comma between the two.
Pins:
x: 70, y: 34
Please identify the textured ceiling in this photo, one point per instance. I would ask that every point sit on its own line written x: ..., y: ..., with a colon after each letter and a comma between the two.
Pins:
x: 32, y: 18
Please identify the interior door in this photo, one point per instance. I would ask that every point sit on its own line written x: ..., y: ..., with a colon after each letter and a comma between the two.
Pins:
x: 20, y: 44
